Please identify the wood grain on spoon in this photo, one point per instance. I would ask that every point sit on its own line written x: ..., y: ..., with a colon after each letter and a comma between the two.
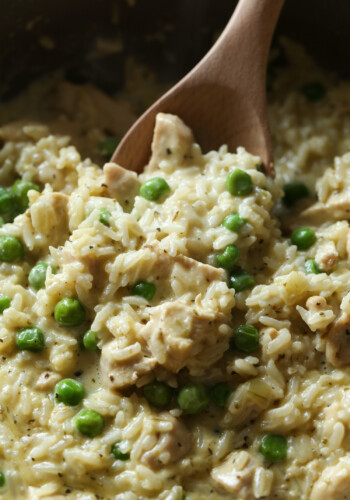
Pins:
x: 223, y: 99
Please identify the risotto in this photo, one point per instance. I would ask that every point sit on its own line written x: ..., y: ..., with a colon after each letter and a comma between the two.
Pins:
x: 183, y: 333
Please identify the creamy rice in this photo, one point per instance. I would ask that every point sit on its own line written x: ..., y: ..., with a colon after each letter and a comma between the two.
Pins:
x: 296, y: 384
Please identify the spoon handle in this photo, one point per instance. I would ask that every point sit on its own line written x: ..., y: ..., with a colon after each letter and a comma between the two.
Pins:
x: 237, y: 64
x: 250, y: 29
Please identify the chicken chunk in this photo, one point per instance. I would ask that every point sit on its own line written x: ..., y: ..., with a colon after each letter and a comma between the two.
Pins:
x: 327, y: 256
x: 334, y: 482
x: 203, y: 271
x: 121, y: 184
x: 247, y: 402
x: 172, y: 141
x: 338, y: 342
x: 318, y: 314
x: 123, y: 367
x: 49, y: 216
x: 179, y: 335
x: 236, y: 474
x: 47, y: 380
x: 171, y: 444
x: 192, y: 331
x: 337, y: 207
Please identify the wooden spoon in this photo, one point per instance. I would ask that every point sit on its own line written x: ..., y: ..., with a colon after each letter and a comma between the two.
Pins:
x: 223, y: 99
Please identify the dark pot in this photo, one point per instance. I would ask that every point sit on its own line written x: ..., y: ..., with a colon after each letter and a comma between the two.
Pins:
x: 169, y: 37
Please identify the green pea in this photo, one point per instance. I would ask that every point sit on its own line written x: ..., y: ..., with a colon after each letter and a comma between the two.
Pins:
x: 30, y: 338
x: 311, y: 267
x: 37, y: 275
x: 303, y: 238
x: 69, y: 391
x: 240, y: 280
x: 11, y: 248
x: 7, y: 201
x: 144, y: 289
x: 105, y: 214
x: 274, y: 447
x: 314, y: 91
x: 89, y: 423
x: 2, y: 479
x: 69, y: 312
x: 118, y: 453
x: 293, y: 192
x: 239, y: 183
x: 108, y: 146
x: 4, y: 303
x: 158, y: 394
x: 90, y: 341
x: 154, y: 188
x: 228, y: 258
x: 246, y: 338
x: 192, y: 398
x: 20, y: 190
x: 233, y: 222
x: 220, y: 393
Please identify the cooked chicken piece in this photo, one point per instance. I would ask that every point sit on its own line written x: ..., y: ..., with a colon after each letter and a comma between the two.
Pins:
x: 96, y: 267
x: 49, y: 216
x: 338, y: 342
x: 318, y: 314
x: 178, y: 333
x: 236, y: 474
x: 193, y: 332
x: 204, y: 271
x: 172, y: 140
x: 122, y: 184
x: 189, y: 276
x: 337, y: 207
x: 247, y: 402
x: 334, y: 482
x: 203, y: 285
x: 47, y: 381
x: 327, y: 256
x: 123, y: 367
x: 171, y: 444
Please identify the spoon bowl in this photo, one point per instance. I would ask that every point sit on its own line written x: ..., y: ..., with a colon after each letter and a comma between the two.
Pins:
x: 223, y: 99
